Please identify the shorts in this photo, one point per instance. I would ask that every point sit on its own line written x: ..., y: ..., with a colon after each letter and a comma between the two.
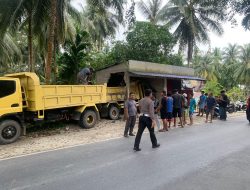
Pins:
x: 191, y: 114
x: 169, y: 116
x: 163, y: 115
x: 202, y: 106
x: 209, y: 111
x: 177, y: 112
x: 184, y: 111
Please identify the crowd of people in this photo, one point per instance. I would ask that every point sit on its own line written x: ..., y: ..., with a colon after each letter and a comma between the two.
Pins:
x: 173, y: 108
x: 176, y: 107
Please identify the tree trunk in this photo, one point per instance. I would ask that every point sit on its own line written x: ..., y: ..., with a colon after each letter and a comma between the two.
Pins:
x: 52, y: 23
x: 190, y: 51
x: 55, y: 49
x: 30, y: 40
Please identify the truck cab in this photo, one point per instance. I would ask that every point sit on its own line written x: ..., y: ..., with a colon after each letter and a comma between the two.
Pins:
x: 11, y: 107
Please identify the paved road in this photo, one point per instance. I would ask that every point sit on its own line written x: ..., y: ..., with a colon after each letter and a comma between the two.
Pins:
x: 210, y: 157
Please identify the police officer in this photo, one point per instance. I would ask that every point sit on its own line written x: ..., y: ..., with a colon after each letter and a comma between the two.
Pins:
x: 147, y: 119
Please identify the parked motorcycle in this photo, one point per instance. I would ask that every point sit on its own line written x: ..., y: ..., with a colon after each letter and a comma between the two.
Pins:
x: 231, y: 108
x: 240, y: 106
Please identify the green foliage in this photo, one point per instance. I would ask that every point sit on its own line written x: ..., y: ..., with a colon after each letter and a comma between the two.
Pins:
x: 230, y: 70
x: 194, y: 19
x: 214, y: 87
x: 130, y: 16
x: 149, y: 42
x: 73, y: 58
x: 236, y: 94
x: 146, y: 42
x: 153, y: 10
x: 243, y: 7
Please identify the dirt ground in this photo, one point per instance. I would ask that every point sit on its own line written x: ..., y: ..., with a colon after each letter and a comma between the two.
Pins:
x: 70, y: 135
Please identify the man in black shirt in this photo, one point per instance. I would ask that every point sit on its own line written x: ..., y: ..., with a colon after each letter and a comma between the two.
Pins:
x: 178, y: 102
x: 223, y: 102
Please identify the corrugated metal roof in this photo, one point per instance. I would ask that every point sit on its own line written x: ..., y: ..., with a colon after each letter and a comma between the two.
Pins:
x: 147, y: 74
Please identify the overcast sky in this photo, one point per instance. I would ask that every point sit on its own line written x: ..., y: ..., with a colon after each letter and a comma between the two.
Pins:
x: 235, y: 34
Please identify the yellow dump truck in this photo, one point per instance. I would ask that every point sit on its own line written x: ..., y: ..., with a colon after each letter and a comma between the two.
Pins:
x: 24, y: 100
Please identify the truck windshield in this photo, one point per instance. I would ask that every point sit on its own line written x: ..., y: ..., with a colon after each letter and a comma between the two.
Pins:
x: 7, y: 87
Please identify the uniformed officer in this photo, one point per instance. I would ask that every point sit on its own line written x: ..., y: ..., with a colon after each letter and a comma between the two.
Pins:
x: 147, y: 119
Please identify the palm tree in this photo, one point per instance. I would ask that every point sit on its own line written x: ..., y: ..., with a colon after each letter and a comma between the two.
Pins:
x: 205, y: 67
x: 101, y: 18
x: 242, y: 72
x: 99, y: 25
x: 15, y: 14
x: 153, y: 10
x: 10, y: 53
x: 73, y: 57
x: 194, y: 18
x: 22, y: 14
x: 227, y: 69
x: 231, y: 54
x: 243, y: 7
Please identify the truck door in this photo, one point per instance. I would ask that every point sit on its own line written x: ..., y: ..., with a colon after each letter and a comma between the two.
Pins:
x: 10, y: 96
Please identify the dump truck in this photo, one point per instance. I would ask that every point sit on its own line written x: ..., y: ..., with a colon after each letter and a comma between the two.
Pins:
x: 24, y: 100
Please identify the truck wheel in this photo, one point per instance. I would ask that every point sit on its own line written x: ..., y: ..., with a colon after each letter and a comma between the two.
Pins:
x: 10, y: 130
x: 114, y: 113
x: 88, y: 119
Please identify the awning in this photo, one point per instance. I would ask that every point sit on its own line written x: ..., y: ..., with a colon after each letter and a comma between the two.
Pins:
x: 161, y: 75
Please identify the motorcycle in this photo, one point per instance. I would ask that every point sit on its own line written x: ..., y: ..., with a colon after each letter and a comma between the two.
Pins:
x: 230, y: 109
x: 240, y: 106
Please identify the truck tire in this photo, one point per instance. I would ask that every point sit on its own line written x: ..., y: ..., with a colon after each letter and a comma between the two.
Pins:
x: 114, y: 112
x: 88, y: 119
x: 10, y: 131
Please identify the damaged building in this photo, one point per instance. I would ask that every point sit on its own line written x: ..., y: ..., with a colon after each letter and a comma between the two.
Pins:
x: 137, y: 76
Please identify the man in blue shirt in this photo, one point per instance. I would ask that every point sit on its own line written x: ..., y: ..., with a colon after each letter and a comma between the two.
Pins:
x: 169, y: 109
x: 202, y: 103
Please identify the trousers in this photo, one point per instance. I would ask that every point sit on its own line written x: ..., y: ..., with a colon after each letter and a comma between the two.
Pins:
x: 223, y: 113
x: 130, y: 123
x: 143, y: 123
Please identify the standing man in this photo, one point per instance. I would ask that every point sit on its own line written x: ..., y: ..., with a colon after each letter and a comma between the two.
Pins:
x: 163, y: 110
x: 169, y: 109
x: 192, y: 107
x: 223, y: 102
x: 211, y: 103
x: 146, y: 119
x: 202, y: 103
x: 184, y: 109
x: 85, y: 76
x: 130, y: 112
x: 177, y: 105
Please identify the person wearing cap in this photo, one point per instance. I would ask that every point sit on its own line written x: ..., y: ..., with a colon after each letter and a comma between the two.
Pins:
x: 146, y: 119
x: 85, y: 76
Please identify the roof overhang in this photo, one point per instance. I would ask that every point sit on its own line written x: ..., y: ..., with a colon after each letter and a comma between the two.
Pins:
x: 161, y: 75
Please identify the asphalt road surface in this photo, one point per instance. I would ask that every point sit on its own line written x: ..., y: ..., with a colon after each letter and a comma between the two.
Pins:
x: 206, y: 157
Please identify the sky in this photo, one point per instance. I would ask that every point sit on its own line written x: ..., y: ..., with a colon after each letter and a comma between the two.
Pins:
x: 236, y: 34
